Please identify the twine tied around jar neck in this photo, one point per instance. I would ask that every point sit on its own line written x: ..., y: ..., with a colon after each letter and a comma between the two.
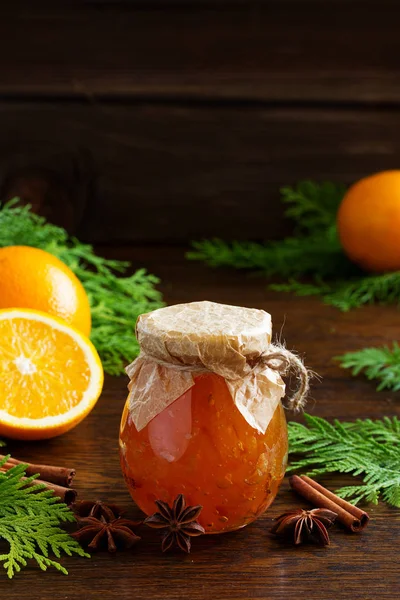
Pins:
x: 285, y: 363
x: 278, y: 358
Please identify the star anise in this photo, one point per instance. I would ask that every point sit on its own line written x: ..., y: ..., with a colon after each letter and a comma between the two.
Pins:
x: 305, y: 525
x: 104, y: 526
x: 96, y: 508
x: 179, y: 521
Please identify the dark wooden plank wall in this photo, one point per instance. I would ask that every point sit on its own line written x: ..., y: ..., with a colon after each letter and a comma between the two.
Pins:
x: 154, y: 122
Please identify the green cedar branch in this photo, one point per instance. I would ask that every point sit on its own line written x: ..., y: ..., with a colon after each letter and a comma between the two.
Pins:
x: 313, y: 206
x: 366, y: 448
x: 382, y: 364
x: 116, y: 299
x: 318, y: 254
x: 30, y: 519
x: 314, y: 251
x: 346, y: 295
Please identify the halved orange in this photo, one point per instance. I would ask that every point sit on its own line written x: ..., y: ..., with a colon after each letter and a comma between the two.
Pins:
x: 50, y: 375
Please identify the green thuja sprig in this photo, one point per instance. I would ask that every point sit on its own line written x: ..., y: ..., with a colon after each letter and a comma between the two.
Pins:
x: 316, y: 251
x: 312, y: 206
x: 346, y: 295
x: 382, y: 364
x: 317, y: 254
x: 366, y: 448
x: 30, y: 519
x: 116, y: 299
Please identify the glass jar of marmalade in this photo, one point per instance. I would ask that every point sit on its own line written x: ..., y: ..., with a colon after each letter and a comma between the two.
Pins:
x: 204, y: 416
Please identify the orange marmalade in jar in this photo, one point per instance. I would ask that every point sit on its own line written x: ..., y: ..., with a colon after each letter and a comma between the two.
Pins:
x: 204, y: 416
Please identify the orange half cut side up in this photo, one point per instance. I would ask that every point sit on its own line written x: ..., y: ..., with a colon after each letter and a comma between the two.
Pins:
x: 50, y: 375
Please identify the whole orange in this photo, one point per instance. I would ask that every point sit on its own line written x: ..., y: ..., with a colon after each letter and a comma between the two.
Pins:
x: 33, y: 278
x: 369, y: 222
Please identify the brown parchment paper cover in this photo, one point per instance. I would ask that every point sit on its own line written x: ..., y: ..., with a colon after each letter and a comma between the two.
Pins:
x: 178, y: 342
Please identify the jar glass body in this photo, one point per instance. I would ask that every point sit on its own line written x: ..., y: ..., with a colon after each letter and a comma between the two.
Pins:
x: 202, y: 447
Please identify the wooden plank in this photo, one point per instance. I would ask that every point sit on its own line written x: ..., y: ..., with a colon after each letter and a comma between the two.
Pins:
x: 249, y: 564
x: 280, y: 51
x: 151, y: 173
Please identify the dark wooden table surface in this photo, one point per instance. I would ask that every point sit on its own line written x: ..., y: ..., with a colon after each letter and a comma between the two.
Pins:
x: 248, y: 564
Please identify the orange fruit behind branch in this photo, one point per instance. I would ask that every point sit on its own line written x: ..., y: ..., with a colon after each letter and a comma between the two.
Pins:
x: 50, y: 375
x: 33, y: 278
x: 369, y: 222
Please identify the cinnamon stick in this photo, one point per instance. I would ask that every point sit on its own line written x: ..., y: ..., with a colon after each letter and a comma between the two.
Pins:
x: 67, y: 495
x: 354, y: 510
x: 61, y: 476
x: 352, y: 517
